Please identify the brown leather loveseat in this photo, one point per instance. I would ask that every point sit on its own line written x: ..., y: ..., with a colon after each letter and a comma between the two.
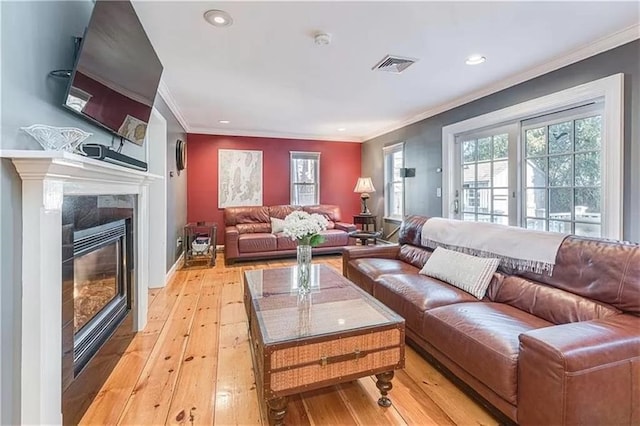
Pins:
x: 544, y: 350
x: 248, y: 233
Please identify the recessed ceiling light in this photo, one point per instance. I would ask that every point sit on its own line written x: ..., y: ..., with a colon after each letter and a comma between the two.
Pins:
x: 218, y: 18
x: 224, y: 121
x: 475, y: 60
x: 341, y: 129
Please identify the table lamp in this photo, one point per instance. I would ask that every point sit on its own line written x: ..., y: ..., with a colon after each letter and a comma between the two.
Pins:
x: 364, y: 186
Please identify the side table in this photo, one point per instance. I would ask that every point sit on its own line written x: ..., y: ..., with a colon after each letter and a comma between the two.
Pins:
x: 199, y: 242
x: 367, y: 222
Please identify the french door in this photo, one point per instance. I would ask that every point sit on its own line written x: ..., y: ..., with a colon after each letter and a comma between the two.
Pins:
x: 542, y: 173
x: 487, y: 178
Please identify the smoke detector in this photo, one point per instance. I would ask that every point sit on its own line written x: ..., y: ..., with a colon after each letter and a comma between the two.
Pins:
x: 394, y: 64
x: 322, y: 39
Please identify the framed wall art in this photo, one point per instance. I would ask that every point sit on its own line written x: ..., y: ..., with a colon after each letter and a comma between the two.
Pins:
x: 239, y: 178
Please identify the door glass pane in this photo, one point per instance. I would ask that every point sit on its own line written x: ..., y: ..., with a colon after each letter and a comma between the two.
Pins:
x: 484, y: 218
x: 536, y: 172
x: 588, y: 207
x: 469, y: 151
x: 536, y: 203
x: 469, y: 200
x: 469, y: 176
x: 588, y: 169
x: 558, y: 226
x: 501, y: 174
x: 561, y: 137
x: 484, y: 200
x: 502, y: 220
x: 501, y: 201
x: 535, y: 141
x: 470, y: 217
x: 484, y: 149
x: 560, y: 170
x: 537, y: 224
x: 588, y: 133
x: 500, y: 146
x: 484, y: 174
x: 588, y: 229
x: 560, y: 200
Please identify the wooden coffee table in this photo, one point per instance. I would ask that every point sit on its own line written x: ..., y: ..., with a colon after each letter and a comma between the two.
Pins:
x: 333, y: 334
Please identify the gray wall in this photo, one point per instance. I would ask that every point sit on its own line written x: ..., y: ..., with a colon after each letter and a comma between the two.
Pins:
x: 176, y: 184
x: 423, y: 140
x: 37, y: 38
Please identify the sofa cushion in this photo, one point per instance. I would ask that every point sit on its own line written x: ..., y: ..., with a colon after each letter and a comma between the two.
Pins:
x: 411, y: 294
x: 330, y: 212
x: 257, y: 242
x: 603, y: 270
x: 282, y: 211
x: 364, y: 271
x: 254, y: 214
x: 252, y: 228
x: 482, y: 338
x: 471, y: 273
x: 334, y: 237
x: 284, y: 242
x: 554, y: 305
x: 417, y: 256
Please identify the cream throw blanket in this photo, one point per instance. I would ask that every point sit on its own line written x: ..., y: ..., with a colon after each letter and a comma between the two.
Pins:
x: 517, y: 248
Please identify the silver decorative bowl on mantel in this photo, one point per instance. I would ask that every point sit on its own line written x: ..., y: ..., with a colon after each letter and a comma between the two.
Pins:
x: 57, y: 138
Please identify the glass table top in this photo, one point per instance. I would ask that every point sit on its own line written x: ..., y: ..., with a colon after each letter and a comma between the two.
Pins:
x: 333, y: 304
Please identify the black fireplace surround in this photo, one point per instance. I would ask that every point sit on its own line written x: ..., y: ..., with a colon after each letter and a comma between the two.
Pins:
x: 97, y: 274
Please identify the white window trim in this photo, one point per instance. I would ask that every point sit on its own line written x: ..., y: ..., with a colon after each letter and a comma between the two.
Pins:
x: 611, y: 89
x: 389, y: 149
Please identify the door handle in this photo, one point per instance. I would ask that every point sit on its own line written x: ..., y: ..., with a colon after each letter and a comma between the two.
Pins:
x: 456, y: 206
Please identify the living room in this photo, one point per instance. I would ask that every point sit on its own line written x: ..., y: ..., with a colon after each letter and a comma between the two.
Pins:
x: 302, y: 82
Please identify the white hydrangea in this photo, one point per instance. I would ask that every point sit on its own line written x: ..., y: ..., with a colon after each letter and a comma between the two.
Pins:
x: 300, y: 225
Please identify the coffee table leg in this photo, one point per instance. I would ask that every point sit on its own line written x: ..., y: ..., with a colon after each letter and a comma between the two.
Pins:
x: 384, y: 385
x: 277, y: 410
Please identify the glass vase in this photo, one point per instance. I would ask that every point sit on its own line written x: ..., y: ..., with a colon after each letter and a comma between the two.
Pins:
x: 304, y: 267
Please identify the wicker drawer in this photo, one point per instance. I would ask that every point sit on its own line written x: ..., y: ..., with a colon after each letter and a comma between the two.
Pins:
x: 308, y: 365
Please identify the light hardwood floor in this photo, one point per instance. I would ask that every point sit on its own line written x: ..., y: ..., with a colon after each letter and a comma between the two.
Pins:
x: 192, y: 365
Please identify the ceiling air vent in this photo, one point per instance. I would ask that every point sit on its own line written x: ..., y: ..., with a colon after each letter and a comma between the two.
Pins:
x: 394, y: 64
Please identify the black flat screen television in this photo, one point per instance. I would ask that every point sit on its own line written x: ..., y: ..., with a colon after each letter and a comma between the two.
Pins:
x: 117, y: 72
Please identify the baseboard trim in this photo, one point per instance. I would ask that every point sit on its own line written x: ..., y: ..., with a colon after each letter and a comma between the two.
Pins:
x: 174, y: 268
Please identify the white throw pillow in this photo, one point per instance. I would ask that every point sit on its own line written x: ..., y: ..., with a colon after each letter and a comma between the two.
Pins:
x: 277, y: 225
x: 469, y: 273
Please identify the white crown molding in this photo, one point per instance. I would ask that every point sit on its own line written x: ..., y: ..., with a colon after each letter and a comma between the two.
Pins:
x: 165, y: 94
x: 269, y: 134
x: 601, y: 45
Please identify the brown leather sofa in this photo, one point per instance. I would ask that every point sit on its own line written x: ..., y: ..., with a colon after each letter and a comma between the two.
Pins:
x: 247, y: 233
x: 543, y: 350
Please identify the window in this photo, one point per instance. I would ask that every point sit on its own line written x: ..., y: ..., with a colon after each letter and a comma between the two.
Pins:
x: 305, y: 178
x: 551, y: 164
x: 393, y: 181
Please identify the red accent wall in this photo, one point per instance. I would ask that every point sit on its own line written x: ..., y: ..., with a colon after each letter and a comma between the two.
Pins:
x: 339, y: 171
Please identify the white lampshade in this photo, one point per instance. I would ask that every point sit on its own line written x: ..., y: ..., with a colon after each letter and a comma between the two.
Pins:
x: 364, y: 185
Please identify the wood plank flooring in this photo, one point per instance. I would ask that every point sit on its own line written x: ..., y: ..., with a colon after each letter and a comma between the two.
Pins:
x: 192, y: 365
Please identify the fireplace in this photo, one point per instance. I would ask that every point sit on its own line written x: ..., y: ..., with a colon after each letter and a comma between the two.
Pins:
x: 97, y: 275
x: 49, y: 180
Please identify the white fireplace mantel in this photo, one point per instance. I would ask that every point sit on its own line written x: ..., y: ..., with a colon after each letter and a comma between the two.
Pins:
x: 46, y: 177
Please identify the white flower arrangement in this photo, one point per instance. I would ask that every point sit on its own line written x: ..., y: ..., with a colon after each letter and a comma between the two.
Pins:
x: 304, y: 227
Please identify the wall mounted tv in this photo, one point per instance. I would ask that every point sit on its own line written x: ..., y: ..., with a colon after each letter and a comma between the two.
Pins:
x: 117, y: 72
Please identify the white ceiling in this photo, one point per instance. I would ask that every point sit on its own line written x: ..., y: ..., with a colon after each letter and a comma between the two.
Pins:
x: 267, y: 77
